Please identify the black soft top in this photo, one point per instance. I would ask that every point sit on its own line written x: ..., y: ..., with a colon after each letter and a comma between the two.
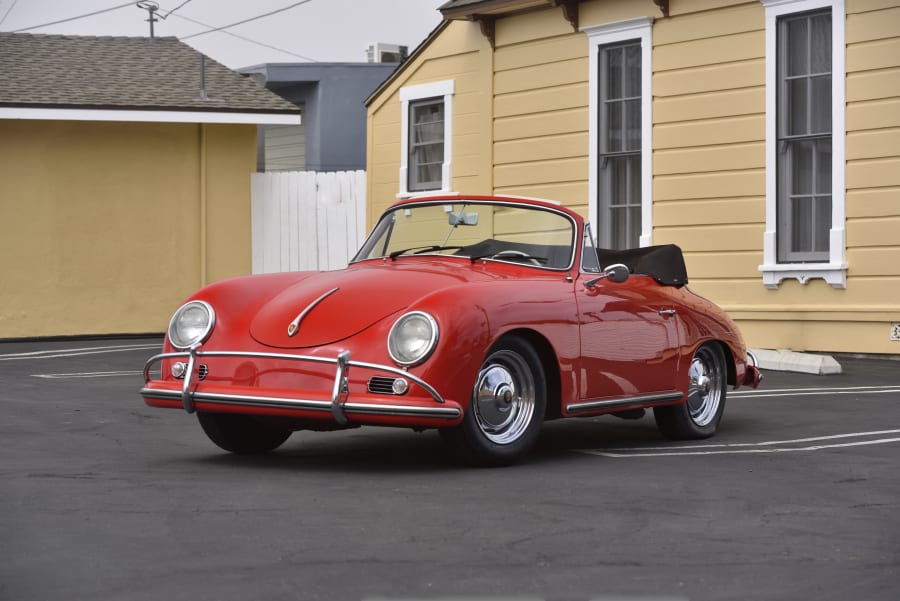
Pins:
x: 664, y: 263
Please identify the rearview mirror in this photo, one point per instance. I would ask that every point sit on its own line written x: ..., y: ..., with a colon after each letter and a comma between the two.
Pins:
x: 462, y: 218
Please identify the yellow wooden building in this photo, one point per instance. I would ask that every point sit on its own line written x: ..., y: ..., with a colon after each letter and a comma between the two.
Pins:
x: 124, y: 180
x: 761, y: 136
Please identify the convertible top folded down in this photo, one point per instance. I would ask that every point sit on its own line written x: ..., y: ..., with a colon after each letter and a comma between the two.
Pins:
x: 664, y: 263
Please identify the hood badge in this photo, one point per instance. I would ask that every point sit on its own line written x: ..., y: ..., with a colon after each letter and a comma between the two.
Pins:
x: 294, y: 326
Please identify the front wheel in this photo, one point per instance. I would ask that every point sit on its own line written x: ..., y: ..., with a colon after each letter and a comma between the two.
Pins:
x: 504, y: 416
x: 699, y: 416
x: 242, y: 434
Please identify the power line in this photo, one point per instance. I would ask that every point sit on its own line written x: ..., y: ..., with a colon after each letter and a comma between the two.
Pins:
x: 246, y: 39
x: 269, y: 14
x: 176, y: 8
x: 8, y: 10
x: 96, y: 12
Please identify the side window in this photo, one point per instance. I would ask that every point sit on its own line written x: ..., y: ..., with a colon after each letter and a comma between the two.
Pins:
x: 589, y: 261
x: 425, y: 143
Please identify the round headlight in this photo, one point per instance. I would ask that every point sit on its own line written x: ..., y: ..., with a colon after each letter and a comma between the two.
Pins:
x: 191, y: 324
x: 412, y: 338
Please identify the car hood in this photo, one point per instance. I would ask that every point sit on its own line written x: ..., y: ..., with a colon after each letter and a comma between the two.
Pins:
x: 330, y: 306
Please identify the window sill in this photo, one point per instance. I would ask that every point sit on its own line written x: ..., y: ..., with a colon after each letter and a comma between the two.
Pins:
x: 405, y: 195
x: 833, y: 273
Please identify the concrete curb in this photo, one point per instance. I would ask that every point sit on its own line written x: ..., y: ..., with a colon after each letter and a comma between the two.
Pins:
x: 785, y: 360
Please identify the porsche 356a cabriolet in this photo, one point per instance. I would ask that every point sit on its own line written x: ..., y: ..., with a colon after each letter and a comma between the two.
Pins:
x: 479, y: 316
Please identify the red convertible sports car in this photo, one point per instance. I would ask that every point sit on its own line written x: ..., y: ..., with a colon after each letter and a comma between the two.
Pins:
x: 479, y: 316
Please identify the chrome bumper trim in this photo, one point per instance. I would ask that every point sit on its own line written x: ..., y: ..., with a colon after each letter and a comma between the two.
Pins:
x: 649, y: 399
x: 337, y: 406
x: 308, y: 404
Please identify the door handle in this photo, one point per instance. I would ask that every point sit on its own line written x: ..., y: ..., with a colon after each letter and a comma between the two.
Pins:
x: 667, y: 312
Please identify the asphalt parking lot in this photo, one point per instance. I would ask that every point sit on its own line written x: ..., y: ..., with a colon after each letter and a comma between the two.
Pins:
x: 104, y: 498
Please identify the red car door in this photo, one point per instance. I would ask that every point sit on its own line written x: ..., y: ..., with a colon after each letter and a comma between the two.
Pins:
x: 629, y: 344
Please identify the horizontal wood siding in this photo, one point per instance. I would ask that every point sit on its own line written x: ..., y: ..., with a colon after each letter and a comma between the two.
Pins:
x: 873, y: 174
x: 285, y: 147
x: 540, y: 108
x: 709, y: 143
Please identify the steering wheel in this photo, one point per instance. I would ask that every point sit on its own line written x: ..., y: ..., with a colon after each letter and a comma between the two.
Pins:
x: 509, y: 253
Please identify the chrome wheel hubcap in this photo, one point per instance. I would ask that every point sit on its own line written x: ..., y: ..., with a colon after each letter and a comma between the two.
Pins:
x: 705, y: 389
x: 504, y: 397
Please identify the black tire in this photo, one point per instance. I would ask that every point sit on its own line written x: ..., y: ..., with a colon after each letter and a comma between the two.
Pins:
x: 242, y: 434
x: 504, y: 417
x: 699, y: 416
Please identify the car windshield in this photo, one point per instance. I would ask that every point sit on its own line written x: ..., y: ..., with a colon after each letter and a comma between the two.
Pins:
x: 508, y: 232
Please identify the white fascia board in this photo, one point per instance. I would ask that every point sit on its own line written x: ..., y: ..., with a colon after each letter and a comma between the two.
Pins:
x: 60, y: 114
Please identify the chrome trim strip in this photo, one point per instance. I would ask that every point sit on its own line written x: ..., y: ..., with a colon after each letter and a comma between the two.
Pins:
x: 648, y: 399
x: 308, y: 404
x: 294, y: 326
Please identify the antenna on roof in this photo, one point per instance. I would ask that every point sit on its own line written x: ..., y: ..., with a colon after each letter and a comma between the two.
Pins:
x: 151, y: 7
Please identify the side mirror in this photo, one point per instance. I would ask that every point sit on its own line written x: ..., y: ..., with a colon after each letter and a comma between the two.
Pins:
x: 617, y: 272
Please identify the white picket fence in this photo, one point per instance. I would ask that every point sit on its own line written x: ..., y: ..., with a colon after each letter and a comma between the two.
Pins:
x: 305, y: 220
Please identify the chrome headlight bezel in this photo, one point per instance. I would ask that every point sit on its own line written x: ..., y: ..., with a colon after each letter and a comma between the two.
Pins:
x: 427, y: 338
x: 176, y: 335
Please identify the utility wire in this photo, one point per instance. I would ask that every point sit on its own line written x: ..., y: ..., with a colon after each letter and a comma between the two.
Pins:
x: 246, y: 39
x: 269, y: 14
x: 96, y: 12
x: 176, y: 8
x: 8, y: 10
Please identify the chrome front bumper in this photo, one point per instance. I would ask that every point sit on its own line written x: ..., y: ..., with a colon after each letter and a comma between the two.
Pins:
x: 339, y: 404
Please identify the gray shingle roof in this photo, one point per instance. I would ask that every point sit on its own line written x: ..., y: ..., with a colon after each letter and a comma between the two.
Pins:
x: 57, y: 71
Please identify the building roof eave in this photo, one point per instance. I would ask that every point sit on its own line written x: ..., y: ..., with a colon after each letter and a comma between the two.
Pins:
x: 149, y: 116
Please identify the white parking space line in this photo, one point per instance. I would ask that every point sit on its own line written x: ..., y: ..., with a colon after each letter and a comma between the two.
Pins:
x: 88, y: 374
x: 792, y: 392
x: 771, y: 446
x: 77, y: 352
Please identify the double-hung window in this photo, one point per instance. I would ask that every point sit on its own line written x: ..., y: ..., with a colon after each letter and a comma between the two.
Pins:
x: 805, y: 210
x: 426, y: 144
x: 620, y: 145
x: 804, y: 137
x: 620, y: 168
x: 427, y: 111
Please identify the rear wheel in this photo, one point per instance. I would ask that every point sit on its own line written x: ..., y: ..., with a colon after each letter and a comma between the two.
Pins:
x: 504, y: 416
x: 242, y: 434
x: 700, y: 415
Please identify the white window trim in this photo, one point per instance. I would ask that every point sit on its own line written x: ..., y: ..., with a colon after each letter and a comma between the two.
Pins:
x: 437, y: 89
x: 601, y: 35
x: 835, y: 270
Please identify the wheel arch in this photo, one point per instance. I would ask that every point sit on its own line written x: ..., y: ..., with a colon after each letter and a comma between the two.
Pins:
x: 549, y: 362
x: 730, y: 367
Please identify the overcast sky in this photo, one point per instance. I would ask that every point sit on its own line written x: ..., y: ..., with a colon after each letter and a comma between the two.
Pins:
x: 317, y: 30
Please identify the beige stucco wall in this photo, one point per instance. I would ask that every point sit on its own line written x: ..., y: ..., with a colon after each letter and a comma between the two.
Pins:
x: 106, y: 227
x: 709, y: 171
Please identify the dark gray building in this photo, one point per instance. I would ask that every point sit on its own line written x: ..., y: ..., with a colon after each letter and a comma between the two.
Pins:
x: 331, y: 96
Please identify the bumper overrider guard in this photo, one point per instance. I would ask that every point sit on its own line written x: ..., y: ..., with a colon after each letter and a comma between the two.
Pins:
x: 339, y: 406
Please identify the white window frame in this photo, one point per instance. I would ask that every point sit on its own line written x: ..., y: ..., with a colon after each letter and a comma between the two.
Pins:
x: 602, y: 35
x: 437, y: 89
x: 835, y: 270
